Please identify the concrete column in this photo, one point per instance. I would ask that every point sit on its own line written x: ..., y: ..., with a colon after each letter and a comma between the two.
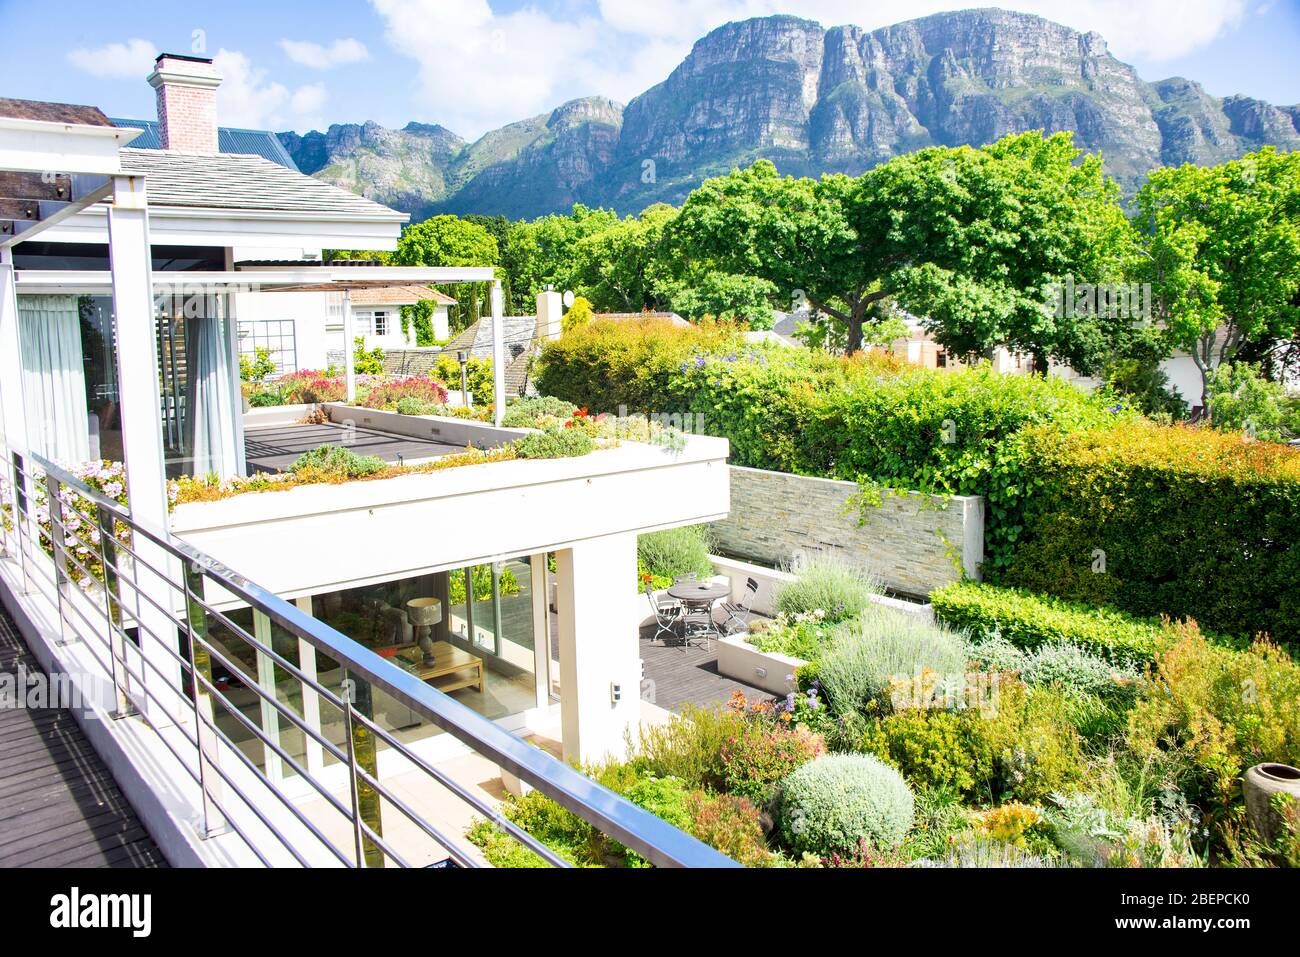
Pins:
x: 11, y: 392
x: 596, y: 588
x: 142, y: 441
x: 11, y: 365
x: 498, y: 354
x: 349, y: 334
x: 550, y: 314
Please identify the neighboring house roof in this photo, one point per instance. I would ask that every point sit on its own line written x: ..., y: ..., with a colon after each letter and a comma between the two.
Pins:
x: 420, y: 360
x: 53, y: 112
x: 227, y: 181
x: 518, y: 333
x: 400, y: 296
x: 619, y: 316
x: 261, y: 143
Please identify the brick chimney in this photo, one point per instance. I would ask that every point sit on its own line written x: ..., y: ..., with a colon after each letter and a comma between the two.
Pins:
x: 187, y: 102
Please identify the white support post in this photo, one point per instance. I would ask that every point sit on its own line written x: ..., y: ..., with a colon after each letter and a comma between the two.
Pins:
x: 315, y: 752
x: 273, y: 763
x: 349, y: 334
x: 498, y: 354
x: 146, y: 473
x: 599, y: 654
x: 11, y: 395
x: 541, y: 629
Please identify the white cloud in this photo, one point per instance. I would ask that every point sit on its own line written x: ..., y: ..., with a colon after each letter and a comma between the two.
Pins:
x: 132, y: 60
x: 318, y: 57
x: 1151, y: 29
x: 478, y: 70
x: 504, y: 67
x: 248, y: 98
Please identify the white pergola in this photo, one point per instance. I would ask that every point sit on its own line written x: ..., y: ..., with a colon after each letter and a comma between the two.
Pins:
x: 298, y: 278
x: 54, y: 165
x: 60, y: 161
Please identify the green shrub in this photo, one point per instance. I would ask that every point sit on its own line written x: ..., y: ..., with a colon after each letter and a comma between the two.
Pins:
x: 998, y: 654
x: 554, y: 442
x: 1034, y: 747
x: 828, y: 583
x: 870, y: 657
x: 1209, y: 713
x: 933, y: 749
x: 1075, y: 669
x: 1190, y: 523
x: 607, y: 363
x: 1028, y: 620
x: 804, y: 636
x: 536, y: 413
x: 689, y: 746
x: 336, y: 461
x: 755, y: 760
x: 675, y: 551
x: 731, y: 825
x: 831, y: 804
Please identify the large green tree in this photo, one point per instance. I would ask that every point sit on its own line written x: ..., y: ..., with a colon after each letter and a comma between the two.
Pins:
x: 1221, y: 250
x: 982, y: 244
x: 447, y: 241
x: 791, y: 233
x: 539, y: 252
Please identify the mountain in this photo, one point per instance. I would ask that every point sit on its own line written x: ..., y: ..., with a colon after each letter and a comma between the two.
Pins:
x: 812, y: 100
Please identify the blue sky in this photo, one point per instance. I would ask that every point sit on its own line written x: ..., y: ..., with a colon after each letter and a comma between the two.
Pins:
x: 474, y: 65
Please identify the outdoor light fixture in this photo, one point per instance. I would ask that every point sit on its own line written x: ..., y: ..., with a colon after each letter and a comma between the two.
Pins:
x: 463, y: 358
x: 423, y: 614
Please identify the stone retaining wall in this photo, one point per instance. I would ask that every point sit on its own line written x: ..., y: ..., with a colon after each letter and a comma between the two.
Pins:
x: 914, y: 542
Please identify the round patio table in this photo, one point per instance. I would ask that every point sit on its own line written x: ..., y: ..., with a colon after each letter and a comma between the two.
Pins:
x: 700, y: 597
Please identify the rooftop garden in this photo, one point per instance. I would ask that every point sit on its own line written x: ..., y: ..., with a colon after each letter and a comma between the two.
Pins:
x: 910, y: 743
x: 560, y: 430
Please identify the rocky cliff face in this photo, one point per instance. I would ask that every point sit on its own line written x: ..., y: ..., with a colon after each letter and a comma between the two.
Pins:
x: 813, y: 100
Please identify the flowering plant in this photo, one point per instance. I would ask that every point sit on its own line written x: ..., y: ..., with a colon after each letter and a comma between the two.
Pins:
x: 80, y: 518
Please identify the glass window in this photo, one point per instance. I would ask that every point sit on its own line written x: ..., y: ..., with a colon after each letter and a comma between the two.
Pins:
x: 482, y: 644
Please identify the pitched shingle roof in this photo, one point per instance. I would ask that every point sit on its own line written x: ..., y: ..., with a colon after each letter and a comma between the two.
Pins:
x: 230, y: 139
x: 399, y: 296
x: 52, y: 112
x: 239, y: 182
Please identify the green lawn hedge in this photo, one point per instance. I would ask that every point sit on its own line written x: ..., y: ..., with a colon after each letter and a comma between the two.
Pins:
x: 1029, y: 620
x: 1191, y: 522
x: 1185, y: 522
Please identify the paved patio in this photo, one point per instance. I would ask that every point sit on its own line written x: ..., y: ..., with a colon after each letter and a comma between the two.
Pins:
x: 274, y: 448
x: 677, y: 675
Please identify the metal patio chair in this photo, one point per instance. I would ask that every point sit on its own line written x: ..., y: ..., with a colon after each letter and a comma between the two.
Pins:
x: 667, y: 614
x: 738, y: 612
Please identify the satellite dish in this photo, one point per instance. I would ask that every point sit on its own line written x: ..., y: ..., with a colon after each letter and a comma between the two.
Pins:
x: 568, y: 299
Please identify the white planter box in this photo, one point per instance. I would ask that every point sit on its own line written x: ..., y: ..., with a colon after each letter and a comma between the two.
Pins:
x: 741, y: 661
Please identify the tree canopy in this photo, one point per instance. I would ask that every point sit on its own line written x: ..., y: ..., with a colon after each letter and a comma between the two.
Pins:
x: 1221, y: 250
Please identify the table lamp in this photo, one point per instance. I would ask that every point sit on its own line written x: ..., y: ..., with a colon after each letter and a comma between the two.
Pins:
x: 423, y: 614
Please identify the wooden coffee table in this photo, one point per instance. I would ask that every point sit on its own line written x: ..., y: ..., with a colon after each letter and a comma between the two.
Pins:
x: 451, y: 670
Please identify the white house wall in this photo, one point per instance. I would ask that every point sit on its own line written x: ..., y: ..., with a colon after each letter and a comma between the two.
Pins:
x: 330, y: 537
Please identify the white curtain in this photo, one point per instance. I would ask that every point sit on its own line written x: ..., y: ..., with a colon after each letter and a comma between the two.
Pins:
x: 54, y: 378
x: 210, y: 424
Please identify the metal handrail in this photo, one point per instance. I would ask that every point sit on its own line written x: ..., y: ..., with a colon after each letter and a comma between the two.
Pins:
x: 648, y: 835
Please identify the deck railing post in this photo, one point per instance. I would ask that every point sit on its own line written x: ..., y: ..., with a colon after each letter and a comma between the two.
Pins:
x: 22, y: 530
x: 200, y: 665
x: 363, y: 752
x: 59, y: 554
x: 107, y: 524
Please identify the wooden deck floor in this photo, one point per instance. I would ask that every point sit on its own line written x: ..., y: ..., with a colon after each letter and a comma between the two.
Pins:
x: 59, y: 806
x: 682, y: 676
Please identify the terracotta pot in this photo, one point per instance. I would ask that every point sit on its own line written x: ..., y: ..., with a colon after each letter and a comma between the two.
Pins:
x: 1259, y: 785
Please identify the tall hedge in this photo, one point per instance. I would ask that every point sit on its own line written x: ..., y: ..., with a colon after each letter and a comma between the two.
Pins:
x: 1159, y: 520
x: 1192, y: 522
x: 871, y: 418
